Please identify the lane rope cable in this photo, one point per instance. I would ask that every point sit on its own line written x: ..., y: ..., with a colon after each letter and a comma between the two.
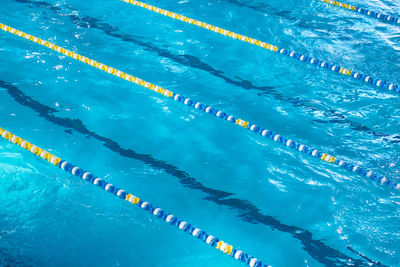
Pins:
x: 122, y: 194
x: 374, y: 14
x: 212, y: 111
x: 304, y: 58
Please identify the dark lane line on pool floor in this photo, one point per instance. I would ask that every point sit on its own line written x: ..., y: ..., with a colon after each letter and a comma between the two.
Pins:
x: 331, y: 116
x: 14, y: 257
x: 245, y: 209
x: 266, y: 9
x: 263, y: 8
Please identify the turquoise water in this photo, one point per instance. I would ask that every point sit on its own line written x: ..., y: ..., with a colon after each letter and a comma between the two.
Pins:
x: 281, y: 206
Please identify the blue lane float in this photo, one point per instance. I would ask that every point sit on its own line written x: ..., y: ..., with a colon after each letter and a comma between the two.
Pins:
x: 379, y: 15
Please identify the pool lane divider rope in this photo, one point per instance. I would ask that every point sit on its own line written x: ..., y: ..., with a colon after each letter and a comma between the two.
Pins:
x: 212, y: 111
x: 133, y: 199
x: 374, y: 14
x: 304, y: 58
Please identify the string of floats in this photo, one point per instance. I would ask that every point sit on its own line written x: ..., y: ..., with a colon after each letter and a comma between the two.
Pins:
x: 145, y: 205
x: 375, y: 14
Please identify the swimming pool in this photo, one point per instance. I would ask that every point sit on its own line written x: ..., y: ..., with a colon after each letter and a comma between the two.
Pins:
x: 280, y: 205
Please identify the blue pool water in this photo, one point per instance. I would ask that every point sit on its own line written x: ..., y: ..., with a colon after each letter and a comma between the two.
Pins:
x: 281, y: 206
